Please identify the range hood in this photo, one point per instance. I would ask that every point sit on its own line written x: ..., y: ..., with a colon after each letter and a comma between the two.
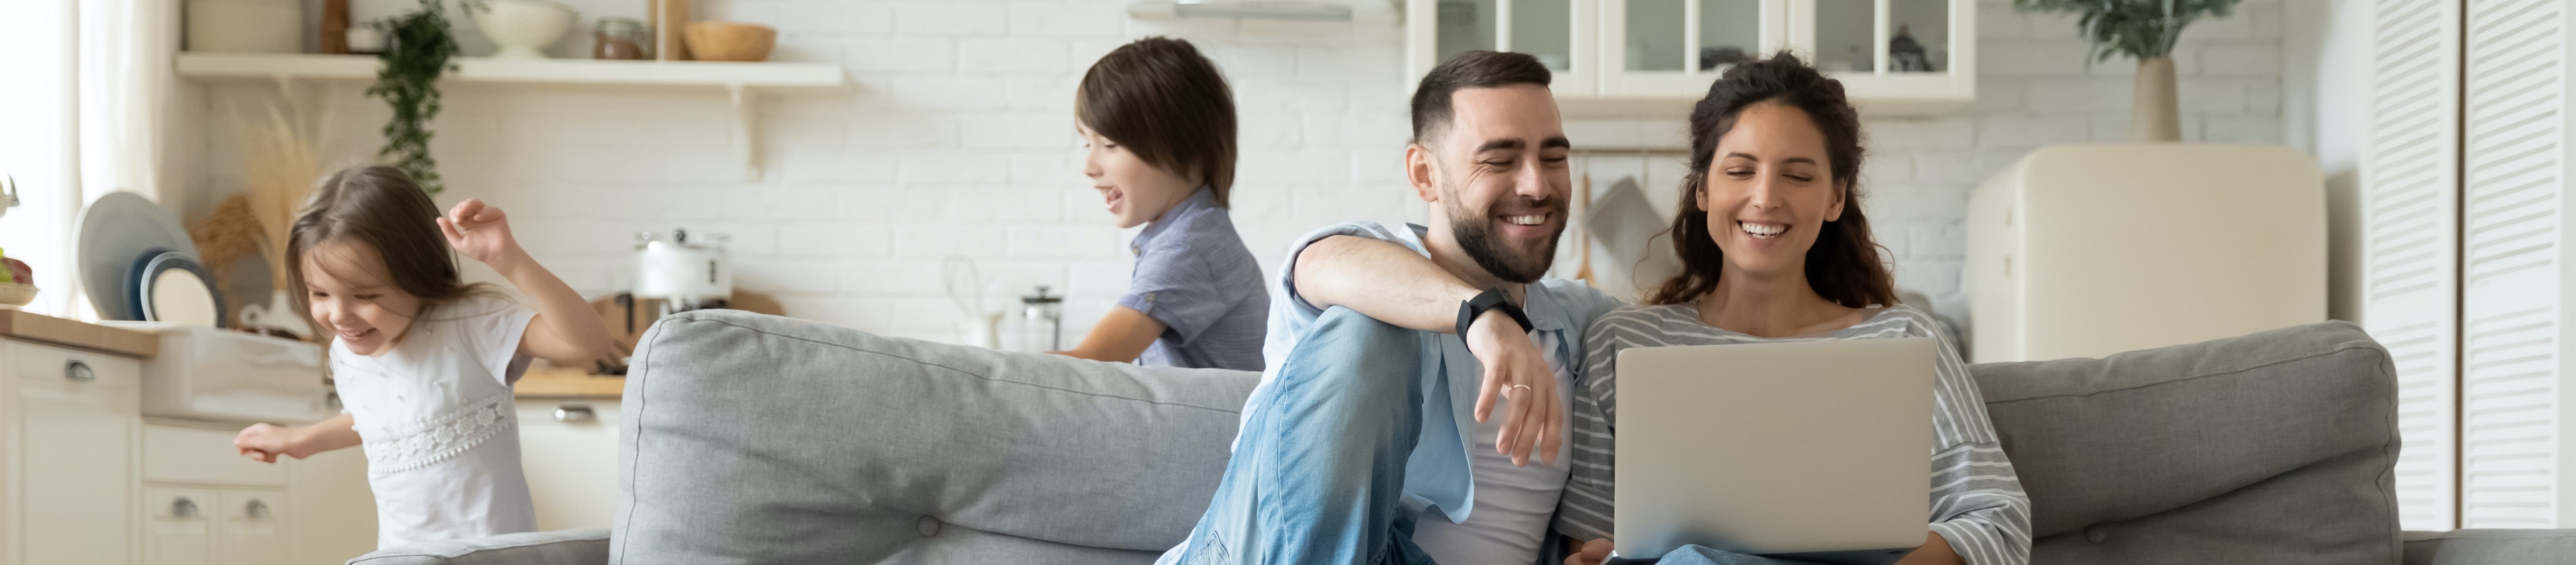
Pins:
x: 1296, y: 10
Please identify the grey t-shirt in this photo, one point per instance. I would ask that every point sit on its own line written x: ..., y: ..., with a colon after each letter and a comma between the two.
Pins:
x: 1194, y: 275
x: 1977, y: 502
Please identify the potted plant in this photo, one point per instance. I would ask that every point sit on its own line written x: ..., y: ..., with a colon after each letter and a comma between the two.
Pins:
x: 2145, y: 30
x: 417, y: 50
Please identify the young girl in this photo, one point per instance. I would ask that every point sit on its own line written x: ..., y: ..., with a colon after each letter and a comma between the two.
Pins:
x: 423, y: 361
x: 1159, y: 125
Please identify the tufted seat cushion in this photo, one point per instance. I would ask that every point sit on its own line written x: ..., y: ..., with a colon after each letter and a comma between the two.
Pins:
x: 760, y: 439
x: 2276, y: 447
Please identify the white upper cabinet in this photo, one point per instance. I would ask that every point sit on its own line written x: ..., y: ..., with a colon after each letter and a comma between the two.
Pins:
x: 1652, y: 58
x: 1561, y: 33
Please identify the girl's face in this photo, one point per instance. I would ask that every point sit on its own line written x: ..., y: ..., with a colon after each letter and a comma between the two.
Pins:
x: 1769, y: 191
x: 1135, y: 192
x: 353, y: 295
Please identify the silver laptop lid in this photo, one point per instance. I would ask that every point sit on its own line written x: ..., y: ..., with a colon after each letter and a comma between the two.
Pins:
x: 1768, y: 448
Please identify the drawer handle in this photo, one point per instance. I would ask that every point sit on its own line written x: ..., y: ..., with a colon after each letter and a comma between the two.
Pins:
x: 571, y: 412
x: 256, y: 510
x: 183, y: 508
x: 80, y: 372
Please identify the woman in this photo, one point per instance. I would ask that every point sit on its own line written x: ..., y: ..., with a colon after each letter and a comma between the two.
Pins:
x: 1158, y: 123
x: 1774, y: 247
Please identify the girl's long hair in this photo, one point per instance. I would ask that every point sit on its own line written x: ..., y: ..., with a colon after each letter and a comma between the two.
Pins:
x: 1846, y: 265
x: 380, y: 207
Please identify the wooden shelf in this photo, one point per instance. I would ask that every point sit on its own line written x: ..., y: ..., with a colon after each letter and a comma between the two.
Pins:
x: 740, y: 80
x: 484, y: 69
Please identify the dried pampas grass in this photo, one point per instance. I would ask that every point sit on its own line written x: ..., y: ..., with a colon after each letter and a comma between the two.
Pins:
x: 281, y: 158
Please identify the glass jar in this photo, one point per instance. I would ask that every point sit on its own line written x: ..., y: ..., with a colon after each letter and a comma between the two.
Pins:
x: 620, y: 38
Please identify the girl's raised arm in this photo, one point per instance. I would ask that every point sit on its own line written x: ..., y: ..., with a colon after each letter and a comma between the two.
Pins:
x: 566, y: 330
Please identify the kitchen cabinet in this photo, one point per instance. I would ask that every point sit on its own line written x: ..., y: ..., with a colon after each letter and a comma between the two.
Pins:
x: 204, y: 503
x: 73, y: 418
x: 568, y: 449
x: 1653, y: 58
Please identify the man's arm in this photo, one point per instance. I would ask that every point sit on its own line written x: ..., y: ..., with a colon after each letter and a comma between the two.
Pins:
x: 1393, y: 284
x: 1382, y: 280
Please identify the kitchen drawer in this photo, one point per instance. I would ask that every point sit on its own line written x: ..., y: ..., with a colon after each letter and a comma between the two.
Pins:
x: 44, y: 362
x: 190, y: 455
x: 250, y: 527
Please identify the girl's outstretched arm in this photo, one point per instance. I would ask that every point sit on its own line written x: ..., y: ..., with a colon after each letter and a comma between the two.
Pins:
x: 265, y: 442
x: 566, y: 330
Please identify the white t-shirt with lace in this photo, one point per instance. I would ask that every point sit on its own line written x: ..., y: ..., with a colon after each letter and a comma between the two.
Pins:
x: 439, y: 430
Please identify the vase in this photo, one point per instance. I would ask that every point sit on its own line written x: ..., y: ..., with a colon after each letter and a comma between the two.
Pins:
x: 2154, y: 116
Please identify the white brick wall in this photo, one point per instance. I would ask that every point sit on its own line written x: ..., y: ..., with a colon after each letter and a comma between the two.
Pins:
x: 956, y: 138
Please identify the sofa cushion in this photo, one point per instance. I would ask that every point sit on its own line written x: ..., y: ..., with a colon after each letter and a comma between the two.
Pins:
x: 586, y: 546
x: 2491, y: 547
x: 2275, y: 447
x: 760, y: 439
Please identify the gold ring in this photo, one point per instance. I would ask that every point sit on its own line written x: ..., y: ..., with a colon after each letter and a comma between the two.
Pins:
x: 1516, y: 386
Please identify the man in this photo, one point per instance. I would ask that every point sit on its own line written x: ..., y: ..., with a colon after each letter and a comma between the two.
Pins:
x: 1414, y: 404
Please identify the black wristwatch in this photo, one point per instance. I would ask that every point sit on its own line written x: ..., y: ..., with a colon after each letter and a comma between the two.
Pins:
x: 1491, y: 299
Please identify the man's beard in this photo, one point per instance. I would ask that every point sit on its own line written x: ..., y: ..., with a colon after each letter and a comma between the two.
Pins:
x: 1475, y: 235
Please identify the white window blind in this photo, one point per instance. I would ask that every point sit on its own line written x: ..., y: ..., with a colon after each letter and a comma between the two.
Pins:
x: 2513, y: 165
x: 2410, y: 243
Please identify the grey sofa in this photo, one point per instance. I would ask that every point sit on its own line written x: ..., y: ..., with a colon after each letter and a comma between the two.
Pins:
x: 757, y: 439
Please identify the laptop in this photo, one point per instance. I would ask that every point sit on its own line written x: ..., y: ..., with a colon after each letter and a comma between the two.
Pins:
x: 1811, y: 450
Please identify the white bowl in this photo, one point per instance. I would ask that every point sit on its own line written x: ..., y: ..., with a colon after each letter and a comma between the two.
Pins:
x: 522, y: 28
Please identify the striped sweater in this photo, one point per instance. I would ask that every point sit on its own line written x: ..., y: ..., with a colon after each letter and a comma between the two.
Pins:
x: 1977, y: 502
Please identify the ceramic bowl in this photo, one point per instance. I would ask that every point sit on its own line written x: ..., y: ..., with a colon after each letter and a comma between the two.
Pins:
x: 730, y: 41
x: 523, y: 29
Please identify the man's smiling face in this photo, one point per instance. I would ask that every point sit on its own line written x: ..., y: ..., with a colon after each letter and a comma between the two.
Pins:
x: 1502, y: 180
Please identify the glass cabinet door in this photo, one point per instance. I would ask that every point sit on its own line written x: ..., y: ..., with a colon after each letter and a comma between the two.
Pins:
x: 1673, y: 48
x: 1879, y: 37
x: 1557, y: 32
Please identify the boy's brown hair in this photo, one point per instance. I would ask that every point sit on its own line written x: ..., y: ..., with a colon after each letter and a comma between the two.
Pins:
x: 1167, y: 104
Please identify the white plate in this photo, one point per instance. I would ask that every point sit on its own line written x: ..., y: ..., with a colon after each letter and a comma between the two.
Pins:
x: 114, y: 232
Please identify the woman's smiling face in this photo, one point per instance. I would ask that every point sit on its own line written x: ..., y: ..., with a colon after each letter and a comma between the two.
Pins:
x: 1770, y: 190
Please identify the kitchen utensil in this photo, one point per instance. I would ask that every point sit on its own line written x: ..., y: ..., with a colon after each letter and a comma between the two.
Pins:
x: 730, y: 41
x: 172, y: 287
x: 245, y: 26
x: 687, y: 275
x: 522, y: 28
x: 114, y: 231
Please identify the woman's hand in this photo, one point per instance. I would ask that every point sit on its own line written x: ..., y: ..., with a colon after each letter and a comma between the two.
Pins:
x: 1515, y: 370
x: 1593, y: 553
x: 481, y: 232
x: 264, y: 442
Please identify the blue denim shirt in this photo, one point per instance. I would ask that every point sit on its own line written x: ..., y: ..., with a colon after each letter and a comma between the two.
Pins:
x: 1437, y: 475
x: 1194, y: 275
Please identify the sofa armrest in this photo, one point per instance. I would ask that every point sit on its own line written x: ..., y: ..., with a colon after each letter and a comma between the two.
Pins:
x: 2491, y: 547
x: 586, y: 546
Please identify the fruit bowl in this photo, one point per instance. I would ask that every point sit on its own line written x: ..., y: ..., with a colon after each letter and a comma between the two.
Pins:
x: 17, y: 294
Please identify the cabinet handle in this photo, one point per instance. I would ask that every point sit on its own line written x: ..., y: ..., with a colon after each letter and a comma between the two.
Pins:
x: 256, y: 510
x: 571, y: 412
x: 78, y: 371
x: 183, y: 508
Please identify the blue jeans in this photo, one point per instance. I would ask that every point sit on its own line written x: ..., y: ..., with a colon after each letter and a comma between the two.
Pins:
x: 1318, y: 472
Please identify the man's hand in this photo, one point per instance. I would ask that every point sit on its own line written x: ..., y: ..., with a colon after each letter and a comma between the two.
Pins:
x: 264, y: 442
x: 480, y: 232
x: 1514, y: 370
x: 1593, y: 553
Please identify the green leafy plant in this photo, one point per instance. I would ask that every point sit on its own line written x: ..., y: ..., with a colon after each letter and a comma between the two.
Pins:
x: 417, y: 50
x: 2141, y: 29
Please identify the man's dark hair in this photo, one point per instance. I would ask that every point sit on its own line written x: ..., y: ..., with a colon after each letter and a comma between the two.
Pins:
x: 1472, y: 69
x: 1167, y: 104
